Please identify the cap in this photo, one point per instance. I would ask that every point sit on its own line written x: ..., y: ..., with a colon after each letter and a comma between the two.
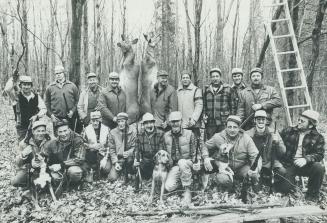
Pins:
x: 162, y: 73
x: 122, y: 115
x: 38, y: 124
x: 312, y: 115
x: 237, y: 71
x: 59, y: 69
x: 25, y: 79
x: 256, y: 69
x: 215, y: 69
x: 113, y: 75
x: 95, y: 115
x: 260, y: 113
x: 89, y: 75
x: 189, y: 73
x: 234, y: 118
x: 61, y: 123
x: 175, y: 116
x: 147, y: 117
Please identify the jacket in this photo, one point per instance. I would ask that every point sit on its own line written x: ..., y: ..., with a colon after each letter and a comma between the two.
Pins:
x: 190, y: 104
x: 116, y: 143
x: 264, y: 144
x: 163, y: 103
x: 236, y: 91
x: 186, y: 141
x: 149, y: 145
x: 57, y: 152
x: 55, y: 102
x: 243, y: 153
x: 82, y: 106
x: 313, y: 145
x: 218, y: 105
x: 110, y: 104
x: 267, y: 97
x: 91, y: 138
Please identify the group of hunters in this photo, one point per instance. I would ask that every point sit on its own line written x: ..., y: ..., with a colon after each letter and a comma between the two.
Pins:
x: 237, y: 116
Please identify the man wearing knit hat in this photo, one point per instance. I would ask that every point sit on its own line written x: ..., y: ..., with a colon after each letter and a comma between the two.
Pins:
x: 305, y: 149
x: 163, y: 100
x: 218, y: 103
x: 257, y: 97
x: 88, y: 100
x: 240, y: 154
x: 121, y: 142
x: 238, y: 84
x: 112, y: 100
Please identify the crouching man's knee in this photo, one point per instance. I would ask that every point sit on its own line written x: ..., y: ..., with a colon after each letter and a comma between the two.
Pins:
x: 223, y: 180
x: 75, y: 173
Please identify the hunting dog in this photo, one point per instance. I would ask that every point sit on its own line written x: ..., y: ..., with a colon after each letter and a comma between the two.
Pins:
x: 160, y: 172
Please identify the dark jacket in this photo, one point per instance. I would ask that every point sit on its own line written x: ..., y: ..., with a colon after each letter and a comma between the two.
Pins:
x: 313, y: 145
x: 110, y: 104
x: 148, y: 146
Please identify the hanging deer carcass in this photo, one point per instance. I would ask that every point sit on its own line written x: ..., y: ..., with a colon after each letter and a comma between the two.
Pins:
x: 129, y: 76
x: 148, y: 77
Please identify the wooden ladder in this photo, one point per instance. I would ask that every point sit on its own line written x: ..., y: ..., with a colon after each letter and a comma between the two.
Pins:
x: 277, y: 54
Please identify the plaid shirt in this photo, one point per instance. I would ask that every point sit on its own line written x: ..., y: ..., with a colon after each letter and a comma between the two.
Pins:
x: 149, y: 145
x: 313, y: 145
x: 218, y: 105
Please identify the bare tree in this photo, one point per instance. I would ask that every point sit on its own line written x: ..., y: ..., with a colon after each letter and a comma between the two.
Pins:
x: 189, y: 37
x: 25, y: 34
x: 197, y: 43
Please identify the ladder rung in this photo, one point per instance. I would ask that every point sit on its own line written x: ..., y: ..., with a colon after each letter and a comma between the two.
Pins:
x: 291, y: 69
x: 295, y: 87
x: 299, y: 106
x: 282, y: 36
x: 286, y: 52
x: 279, y: 20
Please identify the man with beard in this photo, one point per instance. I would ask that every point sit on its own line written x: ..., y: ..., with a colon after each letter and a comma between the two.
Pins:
x: 163, y: 100
x: 30, y: 154
x: 240, y: 158
x: 112, y: 100
x: 238, y: 84
x: 305, y: 149
x: 257, y: 97
x: 218, y: 103
x: 180, y: 144
x: 88, y: 100
x: 95, y: 136
x: 61, y: 99
x: 270, y: 145
x: 65, y: 154
x: 190, y: 103
x: 121, y: 142
x: 148, y: 143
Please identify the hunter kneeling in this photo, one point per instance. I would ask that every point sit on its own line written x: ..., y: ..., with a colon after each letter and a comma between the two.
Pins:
x: 180, y: 144
x: 121, y: 142
x: 234, y: 153
x: 65, y: 155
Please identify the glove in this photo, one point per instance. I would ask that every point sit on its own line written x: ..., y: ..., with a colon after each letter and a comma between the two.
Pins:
x: 118, y: 167
x: 55, y: 167
x: 207, y: 164
x: 28, y: 150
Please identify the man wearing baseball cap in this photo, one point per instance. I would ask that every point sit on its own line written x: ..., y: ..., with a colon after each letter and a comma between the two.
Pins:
x: 238, y: 83
x: 29, y: 106
x: 121, y: 142
x: 149, y: 142
x: 270, y: 146
x: 242, y: 154
x: 88, y: 100
x: 218, y: 103
x: 30, y: 157
x: 305, y: 149
x: 112, y: 100
x: 163, y: 100
x: 61, y: 98
x: 255, y: 97
x: 180, y: 144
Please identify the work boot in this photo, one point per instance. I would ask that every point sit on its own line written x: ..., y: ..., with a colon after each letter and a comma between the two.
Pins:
x: 187, y: 197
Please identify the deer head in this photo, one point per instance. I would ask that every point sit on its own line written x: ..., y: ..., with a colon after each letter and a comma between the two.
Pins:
x: 126, y: 45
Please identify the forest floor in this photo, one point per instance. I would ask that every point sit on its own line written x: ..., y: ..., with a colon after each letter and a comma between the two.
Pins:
x: 102, y: 201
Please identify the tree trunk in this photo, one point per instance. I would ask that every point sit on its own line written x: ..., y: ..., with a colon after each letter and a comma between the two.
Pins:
x: 5, y: 50
x: 234, y: 38
x: 77, y: 13
x: 197, y: 43
x: 189, y: 38
x: 219, y: 57
x: 316, y: 33
x: 53, y: 38
x: 86, y: 38
x: 112, y: 48
x: 25, y: 35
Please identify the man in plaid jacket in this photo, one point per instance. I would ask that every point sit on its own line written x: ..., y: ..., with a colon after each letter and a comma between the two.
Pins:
x: 305, y: 148
x: 218, y: 103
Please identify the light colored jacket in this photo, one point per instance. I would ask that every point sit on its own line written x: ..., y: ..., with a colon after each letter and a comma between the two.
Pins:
x: 244, y: 151
x: 190, y: 104
x: 83, y: 102
x: 91, y: 138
